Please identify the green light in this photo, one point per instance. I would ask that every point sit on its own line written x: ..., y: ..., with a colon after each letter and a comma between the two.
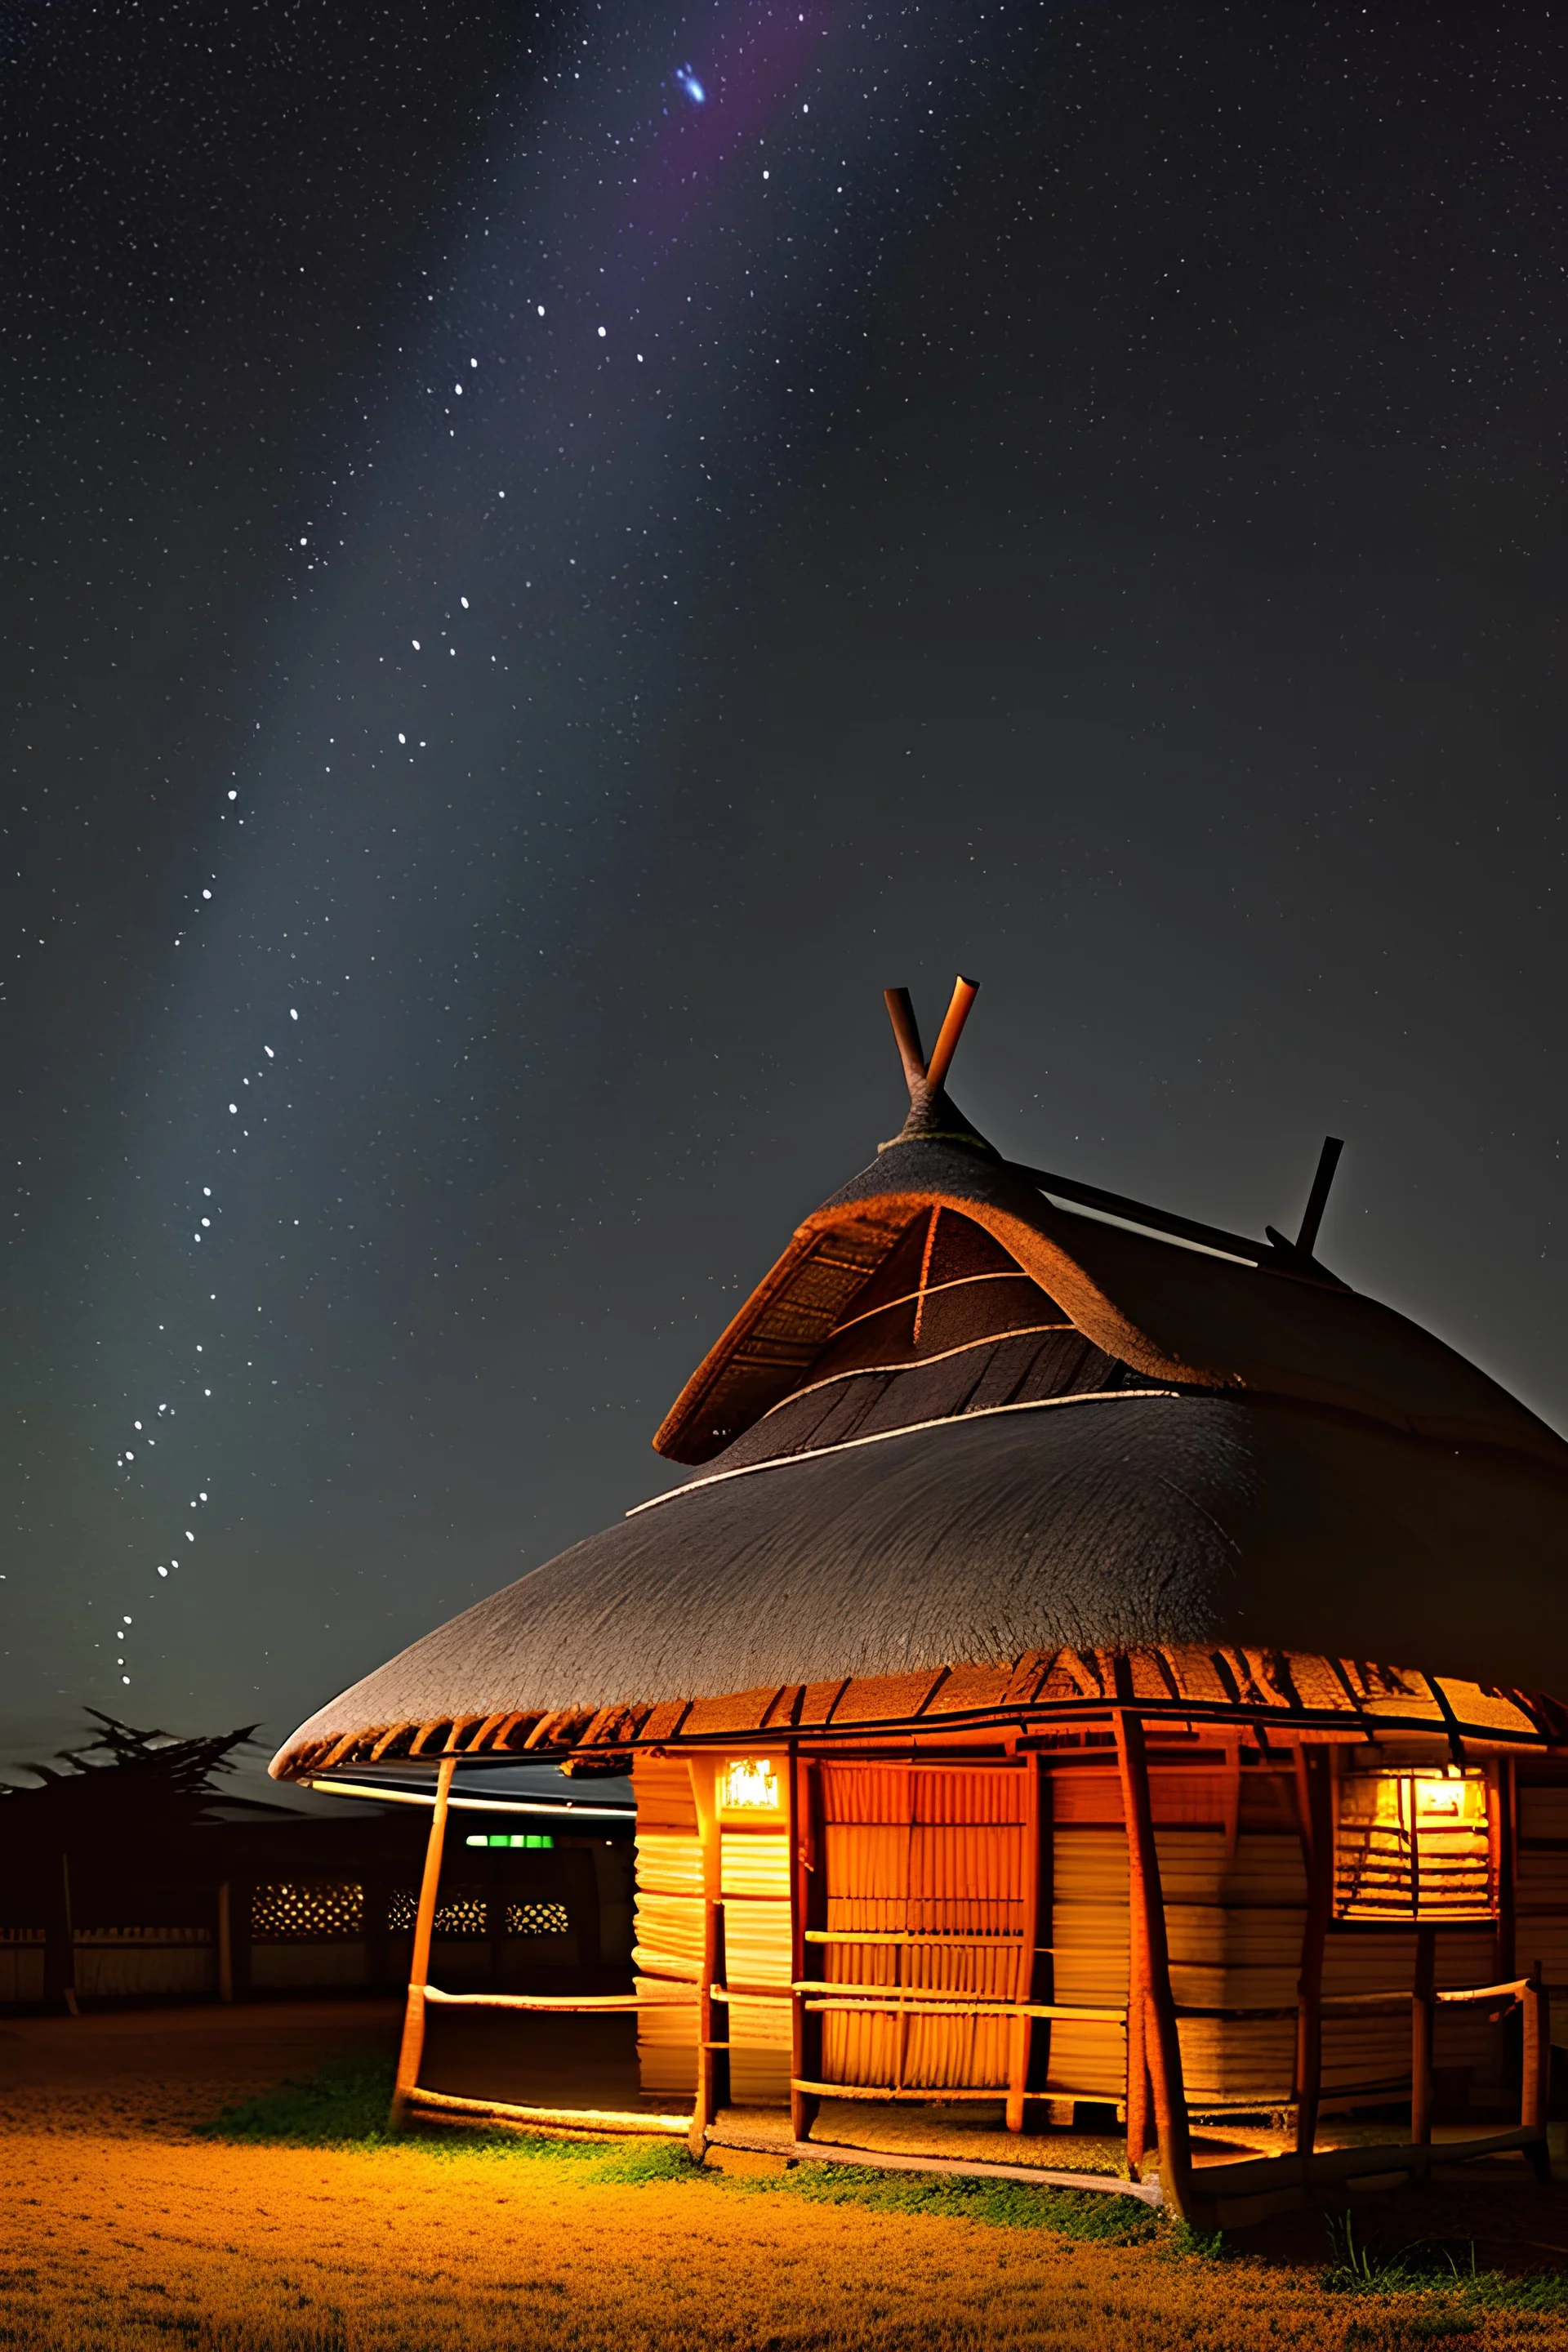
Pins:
x: 534, y: 1843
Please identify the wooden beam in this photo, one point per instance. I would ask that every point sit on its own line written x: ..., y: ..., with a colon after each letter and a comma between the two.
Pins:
x: 809, y: 1909
x: 1315, y: 1799
x: 1422, y: 2008
x: 1147, y: 1907
x: 712, y: 2063
x: 412, y: 2049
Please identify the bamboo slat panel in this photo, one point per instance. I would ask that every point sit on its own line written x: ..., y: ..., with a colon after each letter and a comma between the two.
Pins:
x: 757, y: 1943
x: 668, y: 1864
x: 1234, y: 1928
x: 663, y: 1786
x: 666, y: 2048
x: 760, y: 2049
x: 754, y: 1864
x: 1238, y: 2060
x: 754, y: 1878
x: 1364, y: 2052
x: 667, y: 1924
x: 922, y: 1853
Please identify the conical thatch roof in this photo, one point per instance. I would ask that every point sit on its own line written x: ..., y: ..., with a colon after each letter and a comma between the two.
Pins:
x: 959, y: 1424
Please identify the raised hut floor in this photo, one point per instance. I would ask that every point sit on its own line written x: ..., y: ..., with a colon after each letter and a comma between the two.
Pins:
x: 979, y: 2135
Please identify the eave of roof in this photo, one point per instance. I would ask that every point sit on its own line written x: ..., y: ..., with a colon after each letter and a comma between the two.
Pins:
x: 1043, y: 1692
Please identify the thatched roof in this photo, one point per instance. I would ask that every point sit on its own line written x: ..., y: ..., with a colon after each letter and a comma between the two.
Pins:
x: 1125, y: 1521
x: 1112, y: 1445
x: 1172, y: 1314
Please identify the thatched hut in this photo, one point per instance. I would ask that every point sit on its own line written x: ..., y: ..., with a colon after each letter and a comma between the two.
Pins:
x: 1096, y: 1657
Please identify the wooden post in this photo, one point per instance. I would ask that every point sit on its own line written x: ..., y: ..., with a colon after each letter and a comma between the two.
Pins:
x: 1504, y: 1844
x: 712, y: 2067
x: 1148, y: 1910
x: 808, y: 1908
x: 1022, y: 2037
x: 59, y: 1945
x: 413, y: 2046
x: 224, y: 1947
x: 1137, y: 2047
x: 1536, y: 2087
x: 1315, y: 1795
x: 1422, y: 2008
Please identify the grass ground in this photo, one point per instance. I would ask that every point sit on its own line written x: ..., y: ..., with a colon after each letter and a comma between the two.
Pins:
x: 131, y: 2224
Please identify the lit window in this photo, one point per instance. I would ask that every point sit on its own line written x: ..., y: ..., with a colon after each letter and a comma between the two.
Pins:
x: 751, y: 1785
x: 1414, y: 1845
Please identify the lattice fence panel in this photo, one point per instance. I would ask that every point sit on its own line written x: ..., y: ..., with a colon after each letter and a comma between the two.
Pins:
x: 307, y: 1911
x: 537, y: 1920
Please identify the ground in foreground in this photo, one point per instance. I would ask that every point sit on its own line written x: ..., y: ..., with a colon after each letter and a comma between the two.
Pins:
x: 126, y: 2228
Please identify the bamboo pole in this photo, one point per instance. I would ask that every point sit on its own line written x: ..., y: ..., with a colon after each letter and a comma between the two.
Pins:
x: 1025, y: 1989
x: 412, y: 2045
x: 1315, y: 1793
x: 711, y: 2062
x: 807, y: 1906
x: 1423, y: 2008
x: 1147, y: 1907
x: 1137, y: 2052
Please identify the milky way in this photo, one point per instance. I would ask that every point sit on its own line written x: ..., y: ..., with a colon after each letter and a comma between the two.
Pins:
x: 549, y: 558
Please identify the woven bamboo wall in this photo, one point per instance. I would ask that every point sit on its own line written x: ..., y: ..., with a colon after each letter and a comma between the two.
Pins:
x: 753, y: 1867
x: 931, y: 1860
x: 666, y: 1922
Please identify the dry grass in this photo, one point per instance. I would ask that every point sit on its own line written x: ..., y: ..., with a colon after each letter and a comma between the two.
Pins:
x: 122, y: 2234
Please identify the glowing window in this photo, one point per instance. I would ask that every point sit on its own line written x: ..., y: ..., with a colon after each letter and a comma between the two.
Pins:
x: 750, y: 1785
x: 1414, y: 1845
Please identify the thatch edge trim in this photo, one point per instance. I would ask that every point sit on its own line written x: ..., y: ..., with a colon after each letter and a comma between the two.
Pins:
x: 1265, y: 1693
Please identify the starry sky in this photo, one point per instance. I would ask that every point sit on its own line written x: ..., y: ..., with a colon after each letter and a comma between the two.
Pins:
x: 551, y: 554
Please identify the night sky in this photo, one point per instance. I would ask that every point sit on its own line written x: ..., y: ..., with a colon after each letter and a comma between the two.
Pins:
x: 549, y: 557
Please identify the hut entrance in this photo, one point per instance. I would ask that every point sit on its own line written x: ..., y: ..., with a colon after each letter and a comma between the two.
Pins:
x: 924, y: 1898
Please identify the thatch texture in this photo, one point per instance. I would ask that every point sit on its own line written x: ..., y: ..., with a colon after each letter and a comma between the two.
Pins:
x: 1171, y: 1314
x: 1121, y: 1521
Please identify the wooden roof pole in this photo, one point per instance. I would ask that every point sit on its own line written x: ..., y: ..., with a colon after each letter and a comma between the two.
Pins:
x: 712, y: 2057
x: 906, y: 1031
x: 1315, y: 1798
x: 412, y: 2045
x: 964, y: 992
x: 1147, y: 1920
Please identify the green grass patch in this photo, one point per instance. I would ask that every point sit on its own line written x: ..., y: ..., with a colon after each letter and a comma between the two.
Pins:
x: 346, y: 2106
x: 1000, y: 2204
x: 1446, y: 2274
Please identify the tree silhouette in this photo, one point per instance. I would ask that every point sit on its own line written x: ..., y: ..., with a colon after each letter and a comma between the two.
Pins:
x: 123, y: 1793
